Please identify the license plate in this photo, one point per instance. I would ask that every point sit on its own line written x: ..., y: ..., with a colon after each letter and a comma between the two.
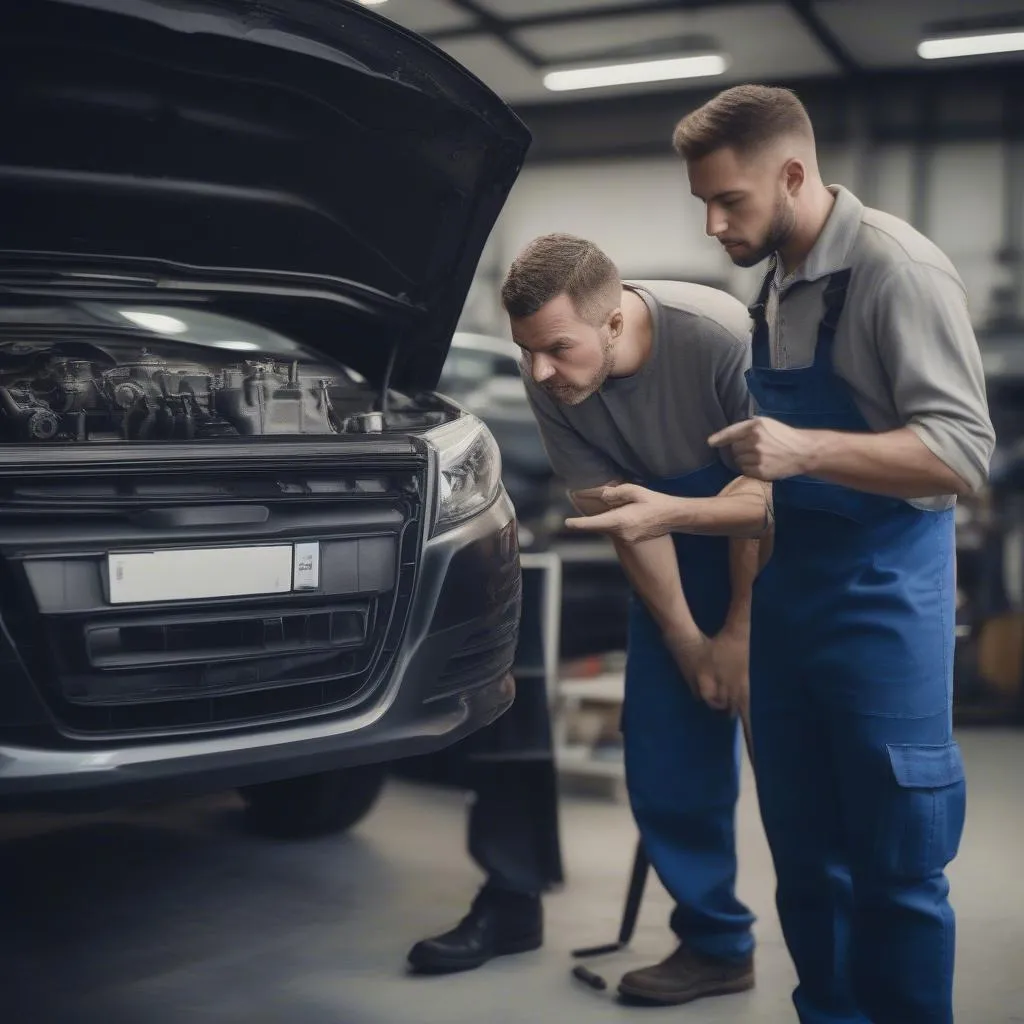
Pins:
x: 193, y: 574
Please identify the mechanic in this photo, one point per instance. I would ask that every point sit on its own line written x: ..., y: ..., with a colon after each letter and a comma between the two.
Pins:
x: 872, y: 418
x: 626, y: 382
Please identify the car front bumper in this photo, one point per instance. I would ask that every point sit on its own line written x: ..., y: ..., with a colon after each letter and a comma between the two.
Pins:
x: 450, y: 677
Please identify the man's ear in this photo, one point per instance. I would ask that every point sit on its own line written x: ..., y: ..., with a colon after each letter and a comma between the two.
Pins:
x: 794, y: 174
x: 616, y: 322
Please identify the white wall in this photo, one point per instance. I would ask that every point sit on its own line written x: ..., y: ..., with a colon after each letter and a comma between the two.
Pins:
x: 966, y: 212
x: 640, y: 211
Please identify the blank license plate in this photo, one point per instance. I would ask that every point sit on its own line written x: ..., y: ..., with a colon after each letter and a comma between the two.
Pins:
x: 194, y: 574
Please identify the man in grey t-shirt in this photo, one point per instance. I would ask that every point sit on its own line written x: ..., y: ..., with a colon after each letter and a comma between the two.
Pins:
x: 627, y: 383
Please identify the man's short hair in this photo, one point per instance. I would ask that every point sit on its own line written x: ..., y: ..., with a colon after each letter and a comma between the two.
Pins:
x: 559, y: 263
x: 744, y: 118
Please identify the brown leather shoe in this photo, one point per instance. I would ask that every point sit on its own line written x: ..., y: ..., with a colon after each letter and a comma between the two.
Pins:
x: 687, y: 975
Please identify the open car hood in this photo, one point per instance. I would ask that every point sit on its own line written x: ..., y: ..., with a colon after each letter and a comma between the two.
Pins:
x: 304, y: 164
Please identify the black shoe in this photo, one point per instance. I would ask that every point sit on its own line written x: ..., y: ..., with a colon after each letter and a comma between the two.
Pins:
x: 498, y: 924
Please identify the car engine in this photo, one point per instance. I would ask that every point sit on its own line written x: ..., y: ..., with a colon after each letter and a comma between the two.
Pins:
x: 80, y: 391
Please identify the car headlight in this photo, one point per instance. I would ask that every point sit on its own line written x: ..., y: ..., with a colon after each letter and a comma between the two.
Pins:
x: 470, y: 470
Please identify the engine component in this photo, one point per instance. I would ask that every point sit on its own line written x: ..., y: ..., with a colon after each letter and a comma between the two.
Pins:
x: 260, y: 398
x: 57, y: 396
x: 29, y: 418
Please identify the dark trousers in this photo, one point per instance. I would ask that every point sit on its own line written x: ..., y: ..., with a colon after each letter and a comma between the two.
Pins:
x: 513, y: 824
x: 509, y: 766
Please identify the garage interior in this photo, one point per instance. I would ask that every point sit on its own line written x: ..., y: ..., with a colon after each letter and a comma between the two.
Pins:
x: 176, y: 912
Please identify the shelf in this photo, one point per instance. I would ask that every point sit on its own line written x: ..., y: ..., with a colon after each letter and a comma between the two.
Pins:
x: 582, y: 551
x: 608, y: 687
x: 580, y: 760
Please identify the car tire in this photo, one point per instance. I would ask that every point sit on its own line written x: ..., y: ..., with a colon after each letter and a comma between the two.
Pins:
x: 313, y: 805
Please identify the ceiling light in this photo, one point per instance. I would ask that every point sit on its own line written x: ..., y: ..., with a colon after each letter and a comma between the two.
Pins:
x: 159, y: 322
x: 971, y: 46
x: 631, y: 74
x: 372, y: 3
x: 237, y: 346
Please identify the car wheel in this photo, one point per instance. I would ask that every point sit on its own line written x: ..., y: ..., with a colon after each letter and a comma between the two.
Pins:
x: 313, y: 805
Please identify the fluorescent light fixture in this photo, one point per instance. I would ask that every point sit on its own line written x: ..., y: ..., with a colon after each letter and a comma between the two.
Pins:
x: 237, y: 346
x: 702, y: 66
x: 372, y: 3
x: 971, y: 46
x: 159, y: 322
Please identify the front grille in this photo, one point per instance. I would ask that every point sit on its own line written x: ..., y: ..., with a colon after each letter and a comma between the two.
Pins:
x: 186, y: 640
x: 128, y: 671
x: 486, y: 654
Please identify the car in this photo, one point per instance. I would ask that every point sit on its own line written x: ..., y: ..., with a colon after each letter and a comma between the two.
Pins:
x: 482, y: 372
x: 244, y: 542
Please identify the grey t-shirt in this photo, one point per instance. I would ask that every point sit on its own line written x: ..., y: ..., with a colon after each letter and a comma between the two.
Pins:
x: 656, y: 423
x: 904, y: 344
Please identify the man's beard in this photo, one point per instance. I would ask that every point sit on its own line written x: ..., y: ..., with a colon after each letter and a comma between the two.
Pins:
x: 779, y: 232
x: 576, y: 394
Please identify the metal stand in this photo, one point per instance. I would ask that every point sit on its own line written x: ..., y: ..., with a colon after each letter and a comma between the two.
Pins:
x: 630, y: 913
x: 635, y: 893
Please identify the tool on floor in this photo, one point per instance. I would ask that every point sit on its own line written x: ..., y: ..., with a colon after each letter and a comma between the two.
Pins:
x: 634, y: 895
x: 637, y: 881
x: 588, y: 977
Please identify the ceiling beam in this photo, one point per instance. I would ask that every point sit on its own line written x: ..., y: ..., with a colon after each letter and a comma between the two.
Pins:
x: 488, y: 22
x: 491, y: 24
x: 826, y: 38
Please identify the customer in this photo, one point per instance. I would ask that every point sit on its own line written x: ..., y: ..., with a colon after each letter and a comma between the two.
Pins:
x: 513, y: 833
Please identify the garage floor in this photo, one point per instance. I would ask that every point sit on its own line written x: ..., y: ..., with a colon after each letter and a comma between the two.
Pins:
x: 173, y: 916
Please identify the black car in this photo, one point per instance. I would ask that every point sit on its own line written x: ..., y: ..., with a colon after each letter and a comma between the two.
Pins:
x: 243, y: 543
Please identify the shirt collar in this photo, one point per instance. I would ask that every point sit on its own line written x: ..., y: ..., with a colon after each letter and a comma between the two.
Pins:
x: 834, y: 248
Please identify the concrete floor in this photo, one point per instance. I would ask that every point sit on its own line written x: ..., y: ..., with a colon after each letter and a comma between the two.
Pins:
x: 174, y: 916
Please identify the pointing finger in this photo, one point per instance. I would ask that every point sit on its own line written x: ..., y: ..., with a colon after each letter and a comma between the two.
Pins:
x: 731, y: 434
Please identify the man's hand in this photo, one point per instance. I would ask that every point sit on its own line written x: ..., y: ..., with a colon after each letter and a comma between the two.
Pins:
x: 635, y: 513
x: 694, y: 659
x: 729, y: 661
x: 766, y: 449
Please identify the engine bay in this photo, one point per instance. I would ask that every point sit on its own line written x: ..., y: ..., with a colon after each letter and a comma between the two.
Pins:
x: 77, y: 390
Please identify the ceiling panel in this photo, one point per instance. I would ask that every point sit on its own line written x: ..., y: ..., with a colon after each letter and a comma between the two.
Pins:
x: 526, y: 8
x: 764, y: 39
x: 517, y: 83
x: 747, y: 32
x: 424, y: 15
x: 494, y: 64
x: 859, y: 24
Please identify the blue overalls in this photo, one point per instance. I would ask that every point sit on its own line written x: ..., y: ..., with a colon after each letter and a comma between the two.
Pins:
x: 860, y: 782
x: 682, y: 758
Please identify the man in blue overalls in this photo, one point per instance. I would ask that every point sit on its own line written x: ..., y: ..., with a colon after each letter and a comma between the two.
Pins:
x: 627, y: 381
x: 872, y: 418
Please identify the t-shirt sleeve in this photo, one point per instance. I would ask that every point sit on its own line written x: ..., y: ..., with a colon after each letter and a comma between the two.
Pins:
x: 928, y: 348
x: 573, y: 459
x: 732, y: 361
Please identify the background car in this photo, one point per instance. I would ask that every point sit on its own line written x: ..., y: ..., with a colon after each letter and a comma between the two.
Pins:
x: 243, y: 543
x: 482, y: 373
